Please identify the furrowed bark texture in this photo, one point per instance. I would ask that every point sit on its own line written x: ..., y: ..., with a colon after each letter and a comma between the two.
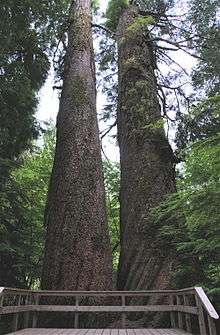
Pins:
x: 77, y: 250
x: 147, y: 172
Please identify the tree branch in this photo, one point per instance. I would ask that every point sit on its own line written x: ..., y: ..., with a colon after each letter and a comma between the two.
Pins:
x: 109, y: 129
x: 176, y: 44
x: 108, y: 31
x: 174, y: 62
x: 115, y: 247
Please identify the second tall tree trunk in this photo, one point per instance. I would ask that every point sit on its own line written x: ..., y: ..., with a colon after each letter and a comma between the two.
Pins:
x: 147, y: 172
x: 77, y: 250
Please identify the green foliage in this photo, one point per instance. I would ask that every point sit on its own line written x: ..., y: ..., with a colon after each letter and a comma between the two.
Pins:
x: 140, y: 23
x: 27, y: 36
x: 115, y: 7
x: 201, y: 122
x: 159, y: 6
x: 129, y: 63
x: 205, y: 19
x: 22, y: 205
x: 159, y: 124
x: 95, y: 5
x: 112, y: 182
x: 196, y: 205
x: 29, y: 31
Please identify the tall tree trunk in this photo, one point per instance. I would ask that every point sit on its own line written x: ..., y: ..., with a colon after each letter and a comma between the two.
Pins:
x: 77, y: 250
x: 147, y: 172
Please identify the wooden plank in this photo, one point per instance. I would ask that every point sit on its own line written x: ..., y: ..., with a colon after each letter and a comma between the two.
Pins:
x: 81, y: 331
x: 123, y: 316
x: 201, y: 317
x: 1, y: 301
x: 174, y: 332
x: 161, y: 332
x: 23, y: 332
x: 17, y: 309
x: 106, y: 332
x: 138, y: 332
x: 187, y: 315
x: 172, y: 314
x: 76, y: 315
x: 103, y: 293
x: 7, y: 290
x: 86, y: 331
x: 99, y: 332
x: 130, y: 332
x: 151, y: 308
x: 212, y: 327
x: 44, y: 331
x: 180, y: 317
x: 117, y: 293
x: 206, y: 303
x: 75, y: 331
x: 148, y: 331
x: 64, y: 308
x: 16, y: 317
x: 1, y: 290
x: 27, y: 313
x: 35, y: 315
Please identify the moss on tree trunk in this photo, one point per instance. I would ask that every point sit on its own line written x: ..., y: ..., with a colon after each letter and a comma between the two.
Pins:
x: 77, y: 250
x: 147, y: 167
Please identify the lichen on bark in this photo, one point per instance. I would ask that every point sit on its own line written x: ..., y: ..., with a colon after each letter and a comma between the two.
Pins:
x: 147, y: 165
x: 77, y: 249
x: 79, y: 93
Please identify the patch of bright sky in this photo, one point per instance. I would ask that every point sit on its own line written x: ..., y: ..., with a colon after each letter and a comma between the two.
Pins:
x: 49, y: 101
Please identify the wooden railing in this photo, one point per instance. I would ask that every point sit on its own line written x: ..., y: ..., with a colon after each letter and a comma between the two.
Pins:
x: 184, y: 306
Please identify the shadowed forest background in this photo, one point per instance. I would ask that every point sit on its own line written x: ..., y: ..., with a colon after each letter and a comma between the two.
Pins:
x: 174, y: 150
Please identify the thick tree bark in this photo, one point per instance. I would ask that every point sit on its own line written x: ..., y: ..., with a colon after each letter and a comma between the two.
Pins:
x: 77, y: 250
x: 147, y: 166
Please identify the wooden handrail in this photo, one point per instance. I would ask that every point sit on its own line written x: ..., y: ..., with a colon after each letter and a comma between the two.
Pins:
x: 8, y: 290
x: 179, y: 305
x: 69, y: 308
x: 193, y: 290
x: 206, y: 303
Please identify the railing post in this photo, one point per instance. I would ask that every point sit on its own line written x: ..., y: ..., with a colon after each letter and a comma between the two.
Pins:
x: 212, y: 328
x: 16, y: 317
x: 123, y: 316
x: 35, y: 315
x: 172, y: 314
x: 26, y: 314
x: 202, y: 325
x: 1, y: 302
x: 180, y: 317
x: 187, y: 316
x: 76, y: 315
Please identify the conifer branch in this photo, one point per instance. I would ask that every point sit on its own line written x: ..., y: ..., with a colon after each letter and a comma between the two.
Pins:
x: 107, y: 30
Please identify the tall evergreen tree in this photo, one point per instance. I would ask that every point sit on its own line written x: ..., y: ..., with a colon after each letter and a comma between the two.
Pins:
x: 148, y: 33
x: 77, y: 250
x: 147, y: 172
x: 27, y: 38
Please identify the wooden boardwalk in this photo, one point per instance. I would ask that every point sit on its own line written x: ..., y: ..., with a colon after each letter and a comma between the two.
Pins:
x: 43, y: 331
x: 188, y: 309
